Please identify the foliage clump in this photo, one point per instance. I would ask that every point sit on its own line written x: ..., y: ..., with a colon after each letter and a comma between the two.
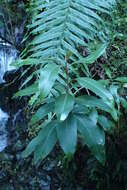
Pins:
x: 70, y: 102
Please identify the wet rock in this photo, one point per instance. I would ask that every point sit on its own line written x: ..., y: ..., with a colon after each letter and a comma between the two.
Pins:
x: 49, y: 165
x: 44, y: 181
x: 2, y: 175
x: 7, y: 102
x: 10, y: 76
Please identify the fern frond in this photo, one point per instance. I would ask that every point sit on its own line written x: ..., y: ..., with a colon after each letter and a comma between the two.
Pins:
x: 64, y: 25
x: 61, y: 26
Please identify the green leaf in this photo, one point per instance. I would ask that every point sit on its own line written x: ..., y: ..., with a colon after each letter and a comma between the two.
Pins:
x: 105, y: 123
x: 63, y: 106
x: 93, y: 115
x: 93, y: 136
x: 96, y: 87
x: 49, y: 139
x: 42, y: 112
x: 94, y: 55
x: 47, y: 79
x: 33, y: 143
x: 43, y: 143
x: 114, y: 92
x: 123, y: 103
x: 82, y: 109
x: 25, y: 62
x: 34, y: 99
x: 108, y: 71
x: 91, y: 101
x: 27, y: 91
x: 121, y: 79
x: 67, y: 135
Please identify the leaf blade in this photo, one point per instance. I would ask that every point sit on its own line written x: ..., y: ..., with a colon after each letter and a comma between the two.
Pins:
x: 63, y: 106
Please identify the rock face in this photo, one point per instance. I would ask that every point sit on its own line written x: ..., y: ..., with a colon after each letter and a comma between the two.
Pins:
x: 13, y: 18
x: 3, y: 133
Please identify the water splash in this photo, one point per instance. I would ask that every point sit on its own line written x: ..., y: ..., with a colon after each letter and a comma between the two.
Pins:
x: 7, y: 55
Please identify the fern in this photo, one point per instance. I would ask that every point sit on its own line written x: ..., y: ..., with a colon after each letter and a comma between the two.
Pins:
x: 59, y: 28
x: 65, y: 25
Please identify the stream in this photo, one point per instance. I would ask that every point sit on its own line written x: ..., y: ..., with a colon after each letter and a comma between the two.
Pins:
x: 7, y: 55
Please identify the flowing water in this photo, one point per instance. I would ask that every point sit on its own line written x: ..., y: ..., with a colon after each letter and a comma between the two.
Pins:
x: 7, y: 55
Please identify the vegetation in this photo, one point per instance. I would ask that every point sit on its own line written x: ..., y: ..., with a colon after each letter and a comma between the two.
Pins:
x: 74, y: 78
x: 61, y: 73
